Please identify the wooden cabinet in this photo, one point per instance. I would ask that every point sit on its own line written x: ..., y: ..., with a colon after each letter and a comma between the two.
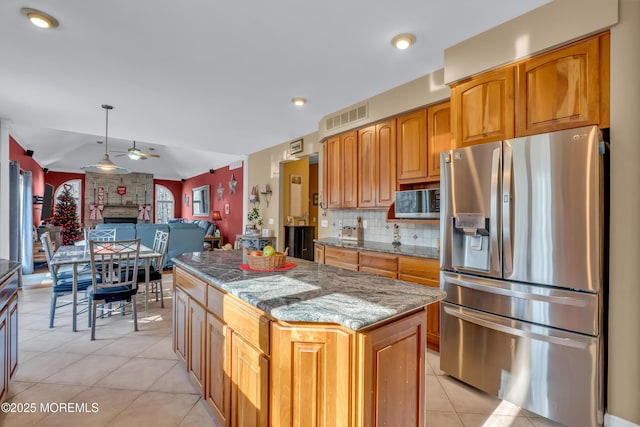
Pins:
x: 311, y: 375
x: 249, y: 384
x: 8, y: 328
x: 218, y: 371
x: 324, y: 200
x: 565, y: 88
x: 559, y: 90
x: 426, y: 272
x: 392, y: 370
x: 299, y: 240
x: 484, y: 107
x: 412, y: 146
x: 339, y: 257
x: 342, y: 170
x: 377, y: 165
x: 318, y: 253
x: 439, y: 137
x: 378, y: 263
x: 196, y: 343
x: 180, y: 323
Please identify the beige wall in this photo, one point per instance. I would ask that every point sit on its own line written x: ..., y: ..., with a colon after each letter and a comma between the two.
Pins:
x: 624, y: 307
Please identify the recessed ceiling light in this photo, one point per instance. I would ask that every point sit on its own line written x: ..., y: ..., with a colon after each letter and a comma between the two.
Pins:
x: 299, y: 101
x: 403, y: 41
x: 39, y: 18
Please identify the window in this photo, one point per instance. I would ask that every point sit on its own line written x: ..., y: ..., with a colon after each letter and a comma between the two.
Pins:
x: 164, y: 204
x: 76, y: 186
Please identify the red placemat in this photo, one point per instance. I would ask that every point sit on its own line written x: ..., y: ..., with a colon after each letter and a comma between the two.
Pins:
x: 287, y: 266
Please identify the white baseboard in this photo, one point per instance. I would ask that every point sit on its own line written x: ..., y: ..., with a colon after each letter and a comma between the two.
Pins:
x: 613, y: 421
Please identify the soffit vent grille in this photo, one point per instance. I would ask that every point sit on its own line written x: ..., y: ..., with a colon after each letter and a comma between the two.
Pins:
x: 349, y: 116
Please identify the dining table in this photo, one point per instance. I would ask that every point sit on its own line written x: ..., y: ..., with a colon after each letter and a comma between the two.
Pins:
x: 79, y: 257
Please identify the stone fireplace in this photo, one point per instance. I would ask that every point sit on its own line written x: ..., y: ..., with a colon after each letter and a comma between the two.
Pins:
x: 117, y: 198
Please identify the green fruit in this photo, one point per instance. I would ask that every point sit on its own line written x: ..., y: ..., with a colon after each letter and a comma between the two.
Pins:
x: 268, y: 251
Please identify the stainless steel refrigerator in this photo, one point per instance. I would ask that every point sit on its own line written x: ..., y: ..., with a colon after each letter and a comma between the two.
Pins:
x: 522, y: 249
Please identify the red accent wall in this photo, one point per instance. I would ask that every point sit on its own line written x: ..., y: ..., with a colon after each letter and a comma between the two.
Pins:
x: 231, y: 223
x: 16, y: 152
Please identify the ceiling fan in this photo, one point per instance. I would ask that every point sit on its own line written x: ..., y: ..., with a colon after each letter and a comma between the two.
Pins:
x: 135, y: 153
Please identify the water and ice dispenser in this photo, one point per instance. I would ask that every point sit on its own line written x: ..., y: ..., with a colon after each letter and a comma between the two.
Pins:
x: 471, y: 244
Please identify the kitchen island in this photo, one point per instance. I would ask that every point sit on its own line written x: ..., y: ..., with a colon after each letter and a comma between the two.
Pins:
x: 313, y: 345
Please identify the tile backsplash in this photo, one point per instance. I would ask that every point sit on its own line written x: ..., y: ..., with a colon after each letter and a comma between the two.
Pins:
x: 379, y: 230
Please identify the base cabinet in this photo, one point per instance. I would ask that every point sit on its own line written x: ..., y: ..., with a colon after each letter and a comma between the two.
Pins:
x: 311, y: 376
x: 8, y: 331
x: 257, y: 371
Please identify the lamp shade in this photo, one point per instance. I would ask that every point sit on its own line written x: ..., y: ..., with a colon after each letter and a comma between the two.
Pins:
x: 216, y: 216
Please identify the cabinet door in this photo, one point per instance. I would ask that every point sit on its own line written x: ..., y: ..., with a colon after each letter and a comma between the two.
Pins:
x: 13, y: 336
x: 249, y: 384
x: 311, y: 376
x: 196, y: 354
x: 412, y: 146
x: 439, y: 129
x: 386, y: 178
x: 426, y: 272
x: 334, y: 172
x: 180, y: 323
x: 218, y: 356
x: 392, y: 383
x: 324, y: 202
x: 559, y: 90
x: 483, y: 108
x: 367, y: 161
x: 4, y: 356
x: 349, y: 142
x: 319, y: 253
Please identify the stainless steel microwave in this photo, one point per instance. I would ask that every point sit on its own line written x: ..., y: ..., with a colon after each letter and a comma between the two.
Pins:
x: 418, y: 203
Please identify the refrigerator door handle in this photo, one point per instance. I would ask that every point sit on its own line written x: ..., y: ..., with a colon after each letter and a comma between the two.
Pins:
x: 494, y: 212
x: 507, y: 235
x: 529, y: 296
x: 520, y: 331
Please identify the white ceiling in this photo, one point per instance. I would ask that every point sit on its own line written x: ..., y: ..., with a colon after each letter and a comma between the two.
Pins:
x: 197, y: 78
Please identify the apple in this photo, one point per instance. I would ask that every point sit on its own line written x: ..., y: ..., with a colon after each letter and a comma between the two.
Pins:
x: 268, y: 250
x: 255, y: 253
x: 228, y: 247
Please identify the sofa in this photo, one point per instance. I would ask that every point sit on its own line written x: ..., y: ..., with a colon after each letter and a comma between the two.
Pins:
x: 183, y: 237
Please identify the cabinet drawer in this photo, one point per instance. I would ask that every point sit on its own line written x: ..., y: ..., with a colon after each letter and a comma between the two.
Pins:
x: 425, y: 268
x: 247, y: 322
x: 343, y: 258
x: 380, y: 264
x: 195, y: 287
x: 215, y: 301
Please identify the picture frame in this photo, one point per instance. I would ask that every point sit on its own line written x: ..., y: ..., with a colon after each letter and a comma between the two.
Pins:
x: 289, y: 220
x: 266, y: 232
x: 226, y: 209
x: 315, y: 199
x: 302, y: 222
x: 296, y: 146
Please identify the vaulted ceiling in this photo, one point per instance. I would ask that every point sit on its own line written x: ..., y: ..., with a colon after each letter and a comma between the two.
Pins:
x: 203, y: 83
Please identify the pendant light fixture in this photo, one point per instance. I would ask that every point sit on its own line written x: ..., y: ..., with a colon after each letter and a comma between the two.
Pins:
x: 106, y: 165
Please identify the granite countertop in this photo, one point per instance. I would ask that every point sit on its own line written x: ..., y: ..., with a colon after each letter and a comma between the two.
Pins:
x: 7, y: 267
x: 408, y: 250
x: 311, y: 292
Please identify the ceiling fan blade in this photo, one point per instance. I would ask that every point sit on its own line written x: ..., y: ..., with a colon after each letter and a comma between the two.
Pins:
x: 157, y: 156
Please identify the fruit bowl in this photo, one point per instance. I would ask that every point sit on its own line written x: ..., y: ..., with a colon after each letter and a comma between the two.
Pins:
x: 261, y: 262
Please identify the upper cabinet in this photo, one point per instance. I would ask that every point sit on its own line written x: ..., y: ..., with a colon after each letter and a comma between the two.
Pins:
x: 439, y: 136
x: 341, y: 170
x: 559, y: 90
x: 565, y: 88
x: 377, y: 165
x: 412, y: 146
x: 483, y: 108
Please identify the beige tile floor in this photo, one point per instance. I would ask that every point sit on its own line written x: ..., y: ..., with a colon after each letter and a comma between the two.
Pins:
x: 128, y: 378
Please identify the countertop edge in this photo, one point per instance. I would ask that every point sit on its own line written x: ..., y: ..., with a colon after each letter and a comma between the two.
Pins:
x: 382, y: 247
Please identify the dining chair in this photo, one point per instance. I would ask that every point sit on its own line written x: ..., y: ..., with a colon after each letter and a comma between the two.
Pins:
x: 114, y: 269
x: 100, y: 234
x: 62, y: 280
x: 156, y: 264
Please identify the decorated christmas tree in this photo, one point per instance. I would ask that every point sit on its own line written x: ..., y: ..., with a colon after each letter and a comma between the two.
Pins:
x: 66, y: 216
